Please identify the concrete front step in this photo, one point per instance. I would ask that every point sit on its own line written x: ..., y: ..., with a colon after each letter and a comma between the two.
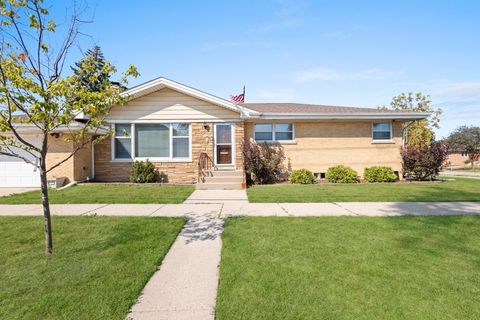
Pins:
x: 225, y: 179
x: 220, y: 186
x: 226, y: 173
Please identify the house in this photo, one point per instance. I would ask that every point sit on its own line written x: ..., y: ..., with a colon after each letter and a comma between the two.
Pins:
x: 458, y: 159
x: 185, y: 132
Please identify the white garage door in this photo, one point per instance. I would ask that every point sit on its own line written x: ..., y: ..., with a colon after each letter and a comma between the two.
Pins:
x: 17, y: 173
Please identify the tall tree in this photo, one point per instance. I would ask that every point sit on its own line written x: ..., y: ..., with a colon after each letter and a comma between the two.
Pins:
x: 94, y: 78
x: 465, y: 139
x: 33, y: 86
x: 419, y: 133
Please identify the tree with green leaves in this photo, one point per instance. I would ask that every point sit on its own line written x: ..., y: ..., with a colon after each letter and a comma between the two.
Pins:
x: 419, y: 133
x: 95, y: 78
x: 35, y: 89
x: 465, y: 139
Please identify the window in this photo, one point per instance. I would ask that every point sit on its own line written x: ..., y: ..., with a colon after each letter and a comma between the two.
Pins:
x: 123, y: 141
x: 180, y: 140
x: 273, y: 132
x: 382, y: 131
x: 153, y: 140
x: 284, y: 131
x: 263, y: 132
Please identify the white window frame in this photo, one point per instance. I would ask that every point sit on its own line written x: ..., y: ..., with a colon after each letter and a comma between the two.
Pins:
x: 390, y: 140
x: 114, y: 137
x: 170, y: 158
x: 274, y: 138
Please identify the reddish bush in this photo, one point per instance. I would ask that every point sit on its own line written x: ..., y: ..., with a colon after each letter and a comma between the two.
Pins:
x: 263, y: 162
x: 423, y: 163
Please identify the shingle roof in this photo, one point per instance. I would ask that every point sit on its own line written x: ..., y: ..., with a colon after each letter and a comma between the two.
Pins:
x: 310, y: 108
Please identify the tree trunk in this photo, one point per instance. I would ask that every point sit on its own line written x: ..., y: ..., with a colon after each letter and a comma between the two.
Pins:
x: 47, y: 220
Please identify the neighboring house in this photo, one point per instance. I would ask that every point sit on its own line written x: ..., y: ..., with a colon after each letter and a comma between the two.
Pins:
x: 181, y: 129
x: 458, y: 159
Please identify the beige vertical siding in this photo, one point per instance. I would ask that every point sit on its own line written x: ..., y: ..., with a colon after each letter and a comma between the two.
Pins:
x: 320, y: 145
x: 167, y: 104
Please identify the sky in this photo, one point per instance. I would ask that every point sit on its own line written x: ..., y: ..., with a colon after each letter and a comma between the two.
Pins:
x: 353, y: 53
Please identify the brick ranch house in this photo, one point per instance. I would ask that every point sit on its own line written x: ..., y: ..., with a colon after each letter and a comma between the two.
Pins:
x: 183, y: 130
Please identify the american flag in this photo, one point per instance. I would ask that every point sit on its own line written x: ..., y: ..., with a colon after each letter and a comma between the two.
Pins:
x: 238, y: 98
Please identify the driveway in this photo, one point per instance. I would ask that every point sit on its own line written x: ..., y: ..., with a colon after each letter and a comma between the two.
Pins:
x: 9, y: 191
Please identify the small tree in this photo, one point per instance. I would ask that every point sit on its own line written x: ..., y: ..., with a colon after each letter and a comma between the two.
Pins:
x: 33, y: 86
x: 420, y: 133
x: 466, y: 139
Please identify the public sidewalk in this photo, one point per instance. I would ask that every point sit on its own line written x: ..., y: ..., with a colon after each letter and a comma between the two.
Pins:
x: 243, y: 208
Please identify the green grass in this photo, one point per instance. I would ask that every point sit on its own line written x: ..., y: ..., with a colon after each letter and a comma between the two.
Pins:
x: 350, y: 268
x: 107, y: 193
x: 99, y: 266
x: 454, y: 189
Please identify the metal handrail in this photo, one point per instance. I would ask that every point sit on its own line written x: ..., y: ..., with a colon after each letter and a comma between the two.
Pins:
x: 205, y: 164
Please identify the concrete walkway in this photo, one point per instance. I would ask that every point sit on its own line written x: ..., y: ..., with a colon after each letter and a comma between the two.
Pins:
x: 243, y: 208
x: 217, y: 196
x: 460, y: 174
x: 185, y: 285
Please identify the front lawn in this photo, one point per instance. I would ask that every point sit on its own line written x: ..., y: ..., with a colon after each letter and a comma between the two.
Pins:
x: 107, y: 193
x: 99, y: 266
x: 453, y: 189
x: 350, y: 268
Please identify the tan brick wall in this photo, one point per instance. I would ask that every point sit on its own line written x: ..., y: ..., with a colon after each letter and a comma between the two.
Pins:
x: 176, y: 172
x: 82, y: 162
x: 59, y: 149
x: 320, y: 145
x: 77, y: 168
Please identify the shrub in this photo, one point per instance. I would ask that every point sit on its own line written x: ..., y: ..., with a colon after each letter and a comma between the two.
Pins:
x: 379, y: 174
x: 341, y: 174
x: 423, y: 163
x: 263, y: 162
x: 143, y: 171
x: 302, y: 176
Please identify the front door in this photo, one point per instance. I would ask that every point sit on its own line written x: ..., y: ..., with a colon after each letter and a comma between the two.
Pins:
x: 223, y: 144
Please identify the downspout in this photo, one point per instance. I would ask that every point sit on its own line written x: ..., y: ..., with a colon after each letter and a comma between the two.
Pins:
x: 93, y: 160
x: 405, y: 133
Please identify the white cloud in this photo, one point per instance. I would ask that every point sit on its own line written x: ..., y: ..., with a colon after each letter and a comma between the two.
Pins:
x: 458, y: 89
x: 322, y: 73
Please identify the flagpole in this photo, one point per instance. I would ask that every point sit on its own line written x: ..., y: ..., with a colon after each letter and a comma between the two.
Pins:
x: 243, y: 93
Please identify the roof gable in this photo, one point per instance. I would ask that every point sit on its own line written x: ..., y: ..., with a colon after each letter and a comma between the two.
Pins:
x: 160, y: 83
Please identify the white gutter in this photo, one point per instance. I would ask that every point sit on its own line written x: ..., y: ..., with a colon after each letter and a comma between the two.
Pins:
x: 74, y: 126
x: 343, y: 116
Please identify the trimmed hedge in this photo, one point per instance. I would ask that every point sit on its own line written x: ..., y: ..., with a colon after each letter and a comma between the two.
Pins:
x: 342, y: 174
x: 143, y: 172
x: 302, y: 176
x: 379, y: 174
